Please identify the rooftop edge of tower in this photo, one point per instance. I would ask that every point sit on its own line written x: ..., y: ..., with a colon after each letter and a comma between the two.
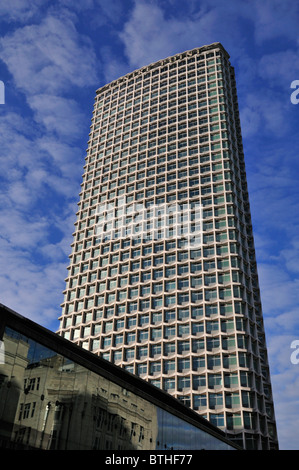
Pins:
x: 146, y: 68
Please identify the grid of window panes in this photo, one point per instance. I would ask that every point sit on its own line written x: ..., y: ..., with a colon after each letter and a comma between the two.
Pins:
x: 186, y: 319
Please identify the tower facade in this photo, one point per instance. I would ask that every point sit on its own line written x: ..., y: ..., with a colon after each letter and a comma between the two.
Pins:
x: 162, y: 277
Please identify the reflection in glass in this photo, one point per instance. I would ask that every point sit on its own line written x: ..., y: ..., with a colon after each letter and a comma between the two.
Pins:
x: 48, y: 401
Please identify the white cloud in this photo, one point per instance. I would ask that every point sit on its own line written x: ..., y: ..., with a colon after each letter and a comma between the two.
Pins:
x: 49, y: 57
x: 287, y: 321
x: 264, y: 108
x: 49, y: 62
x: 280, y: 291
x: 66, y: 158
x: 285, y: 383
x: 20, y: 231
x: 36, y: 164
x: 112, y: 11
x: 35, y: 265
x: 15, y: 144
x: 251, y: 120
x: 112, y: 67
x: 290, y: 255
x: 59, y: 115
x: 280, y: 68
x: 20, y: 194
x: 149, y: 36
x: 36, y: 228
x: 19, y: 10
x: 100, y: 12
x: 33, y: 291
x: 273, y: 189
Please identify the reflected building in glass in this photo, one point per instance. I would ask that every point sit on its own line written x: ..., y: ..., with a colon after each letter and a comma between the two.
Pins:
x: 56, y: 396
x: 162, y: 278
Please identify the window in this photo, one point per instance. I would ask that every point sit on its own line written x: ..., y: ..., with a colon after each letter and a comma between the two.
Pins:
x: 170, y: 285
x: 217, y: 419
x: 142, y: 352
x: 183, y: 330
x: 214, y: 380
x: 199, y: 381
x: 132, y: 322
x: 183, y: 283
x: 144, y: 304
x: 156, y: 350
x: 197, y: 328
x: 215, y: 400
x: 183, y: 382
x: 132, y: 307
x: 120, y: 324
x: 134, y: 278
x: 169, y: 366
x: 211, y: 294
x: 169, y: 384
x: 143, y: 320
x: 196, y: 312
x: 200, y: 401
x: 141, y: 369
x: 196, y: 296
x: 155, y: 367
x: 169, y: 348
x: 234, y: 421
x: 212, y: 326
x: 106, y: 342
x: 157, y: 288
x: 156, y: 333
x: 211, y: 310
x: 145, y: 290
x: 183, y: 347
x: 169, y: 331
x: 233, y: 399
x: 182, y: 298
x: 131, y: 338
x: 117, y: 356
x: 183, y: 313
x: 129, y: 354
x: 170, y: 300
x: 196, y: 281
x: 143, y: 336
x: 157, y: 317
x: 170, y: 315
x: 214, y: 361
x: 183, y: 365
x: 231, y: 380
x: 158, y: 302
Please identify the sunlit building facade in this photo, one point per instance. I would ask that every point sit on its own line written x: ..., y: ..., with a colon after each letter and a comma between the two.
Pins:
x: 162, y: 278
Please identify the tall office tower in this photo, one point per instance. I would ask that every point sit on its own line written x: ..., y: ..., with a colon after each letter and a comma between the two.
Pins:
x: 162, y: 277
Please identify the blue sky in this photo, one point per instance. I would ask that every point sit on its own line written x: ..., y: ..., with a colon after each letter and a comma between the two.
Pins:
x: 55, y: 54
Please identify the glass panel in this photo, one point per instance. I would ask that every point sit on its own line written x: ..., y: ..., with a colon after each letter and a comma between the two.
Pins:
x: 49, y: 402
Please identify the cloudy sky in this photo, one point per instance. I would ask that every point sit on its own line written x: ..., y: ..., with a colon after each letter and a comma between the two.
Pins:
x: 55, y: 54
